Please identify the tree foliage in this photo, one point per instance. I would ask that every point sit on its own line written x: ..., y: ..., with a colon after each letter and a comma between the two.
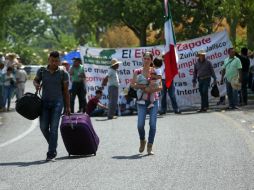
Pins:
x: 31, y: 30
x: 138, y: 15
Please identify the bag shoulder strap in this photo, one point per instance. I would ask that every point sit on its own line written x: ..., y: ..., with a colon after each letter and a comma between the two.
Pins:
x: 229, y: 62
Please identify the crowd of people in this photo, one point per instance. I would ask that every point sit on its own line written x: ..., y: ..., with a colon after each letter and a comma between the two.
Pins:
x: 12, y: 79
x: 61, y: 83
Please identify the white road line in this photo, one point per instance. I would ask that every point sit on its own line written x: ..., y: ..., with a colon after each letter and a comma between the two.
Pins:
x: 32, y: 127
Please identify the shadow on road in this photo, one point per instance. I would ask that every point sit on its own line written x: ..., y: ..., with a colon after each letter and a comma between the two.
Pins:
x: 132, y: 157
x: 74, y: 157
x: 23, y: 164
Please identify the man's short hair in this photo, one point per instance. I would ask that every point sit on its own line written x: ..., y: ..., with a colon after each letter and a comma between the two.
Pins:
x: 231, y: 48
x: 9, y: 69
x: 98, y: 91
x: 244, y: 51
x: 54, y: 54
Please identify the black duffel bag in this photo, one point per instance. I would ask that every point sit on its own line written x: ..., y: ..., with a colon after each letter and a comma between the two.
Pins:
x: 132, y: 93
x: 29, y: 106
x: 215, y: 91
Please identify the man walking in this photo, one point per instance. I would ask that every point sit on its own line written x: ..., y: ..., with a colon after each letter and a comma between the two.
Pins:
x: 232, y: 69
x: 77, y: 74
x: 112, y: 79
x: 245, y: 61
x: 171, y: 93
x: 203, y: 71
x: 54, y: 83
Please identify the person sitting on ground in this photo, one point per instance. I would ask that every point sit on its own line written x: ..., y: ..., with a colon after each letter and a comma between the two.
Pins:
x: 127, y: 103
x: 93, y: 103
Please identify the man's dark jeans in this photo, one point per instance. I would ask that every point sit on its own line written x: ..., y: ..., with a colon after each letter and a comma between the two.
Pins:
x: 49, y: 122
x: 171, y: 92
x: 244, y: 93
x: 78, y: 89
x: 232, y: 95
x: 204, y: 85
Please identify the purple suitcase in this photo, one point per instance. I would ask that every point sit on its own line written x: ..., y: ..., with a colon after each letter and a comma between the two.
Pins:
x: 78, y: 135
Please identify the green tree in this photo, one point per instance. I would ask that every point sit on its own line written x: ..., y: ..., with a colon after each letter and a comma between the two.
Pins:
x: 63, y: 15
x: 195, y: 18
x: 138, y: 15
x: 247, y: 10
x: 25, y: 23
x: 5, y: 9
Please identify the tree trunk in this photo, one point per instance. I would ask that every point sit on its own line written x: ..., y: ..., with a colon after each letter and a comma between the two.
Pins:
x: 142, y: 37
x: 250, y: 33
x: 233, y: 24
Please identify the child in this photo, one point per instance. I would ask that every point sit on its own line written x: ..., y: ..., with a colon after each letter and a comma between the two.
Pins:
x: 93, y: 103
x: 141, y: 95
x: 155, y: 79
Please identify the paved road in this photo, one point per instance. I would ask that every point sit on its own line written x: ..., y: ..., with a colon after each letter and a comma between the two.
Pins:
x: 213, y: 150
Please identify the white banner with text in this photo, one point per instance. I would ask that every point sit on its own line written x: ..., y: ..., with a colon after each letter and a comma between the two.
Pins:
x: 97, y: 61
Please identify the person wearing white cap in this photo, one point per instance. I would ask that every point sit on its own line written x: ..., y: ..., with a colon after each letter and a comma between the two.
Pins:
x: 21, y: 78
x: 203, y: 71
x: 112, y: 79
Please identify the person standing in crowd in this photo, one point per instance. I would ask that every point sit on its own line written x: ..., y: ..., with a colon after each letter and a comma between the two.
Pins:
x: 21, y: 78
x: 232, y: 68
x: 54, y: 83
x: 93, y: 103
x: 78, y: 76
x: 203, y: 71
x: 245, y: 75
x: 11, y: 60
x: 251, y: 72
x: 146, y: 70
x: 9, y: 86
x: 66, y: 67
x: 1, y: 87
x: 112, y: 79
x: 171, y: 93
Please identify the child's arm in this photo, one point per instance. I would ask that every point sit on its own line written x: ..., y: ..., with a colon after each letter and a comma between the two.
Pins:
x: 155, y: 76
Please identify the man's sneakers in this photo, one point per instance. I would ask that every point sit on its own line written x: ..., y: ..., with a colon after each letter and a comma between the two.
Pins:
x: 51, y: 157
x: 162, y: 112
x: 202, y: 110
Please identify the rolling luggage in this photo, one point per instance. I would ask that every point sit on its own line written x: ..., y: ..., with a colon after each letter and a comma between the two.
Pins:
x: 29, y: 106
x: 78, y: 135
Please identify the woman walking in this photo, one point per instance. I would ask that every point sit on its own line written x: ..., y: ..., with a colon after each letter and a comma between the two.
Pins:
x: 143, y: 103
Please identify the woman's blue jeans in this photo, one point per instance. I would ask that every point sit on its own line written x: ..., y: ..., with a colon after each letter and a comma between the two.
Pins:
x: 142, y: 111
x: 49, y: 122
x: 8, y: 90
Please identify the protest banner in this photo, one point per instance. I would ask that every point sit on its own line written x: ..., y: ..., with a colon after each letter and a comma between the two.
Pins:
x: 97, y: 61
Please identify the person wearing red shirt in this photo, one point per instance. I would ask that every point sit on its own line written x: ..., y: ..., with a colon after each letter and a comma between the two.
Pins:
x: 93, y: 103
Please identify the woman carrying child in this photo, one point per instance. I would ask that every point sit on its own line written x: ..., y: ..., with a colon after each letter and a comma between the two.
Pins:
x: 143, y: 103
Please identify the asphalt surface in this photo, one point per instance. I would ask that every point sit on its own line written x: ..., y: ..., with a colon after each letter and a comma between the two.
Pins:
x: 213, y: 150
